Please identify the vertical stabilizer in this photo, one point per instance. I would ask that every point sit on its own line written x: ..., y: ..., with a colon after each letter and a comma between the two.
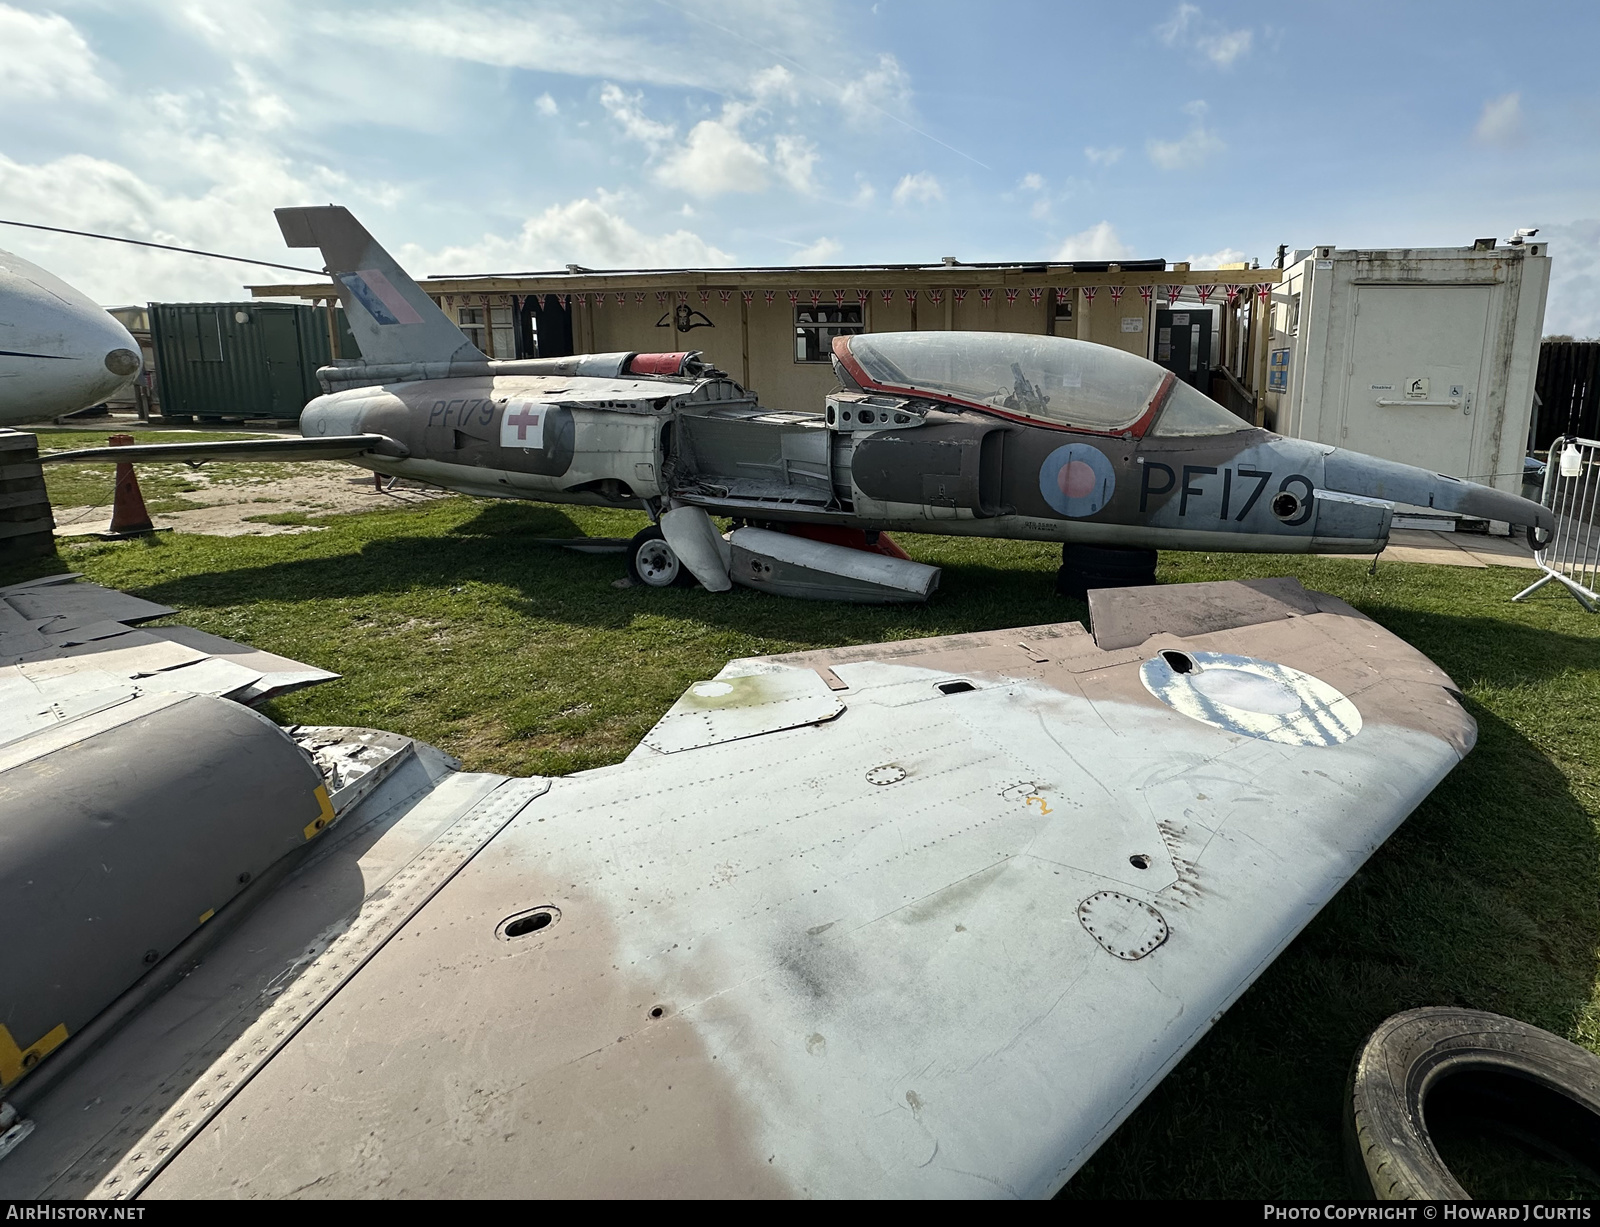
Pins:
x: 392, y: 318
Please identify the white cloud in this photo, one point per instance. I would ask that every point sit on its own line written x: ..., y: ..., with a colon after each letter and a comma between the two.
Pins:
x: 865, y: 192
x: 715, y: 159
x: 774, y: 82
x: 794, y: 157
x: 1216, y: 259
x: 584, y: 231
x: 1573, y: 305
x: 920, y: 188
x: 1032, y: 182
x: 626, y: 110
x: 1188, y: 27
x: 43, y: 56
x: 1107, y: 156
x: 1501, y: 120
x: 1192, y: 148
x: 880, y: 90
x: 545, y: 105
x: 1098, y: 242
x: 820, y: 252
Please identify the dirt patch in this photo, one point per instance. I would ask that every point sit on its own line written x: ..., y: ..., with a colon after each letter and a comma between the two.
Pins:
x: 233, y: 509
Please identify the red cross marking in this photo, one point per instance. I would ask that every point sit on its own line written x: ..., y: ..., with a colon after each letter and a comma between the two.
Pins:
x: 522, y: 419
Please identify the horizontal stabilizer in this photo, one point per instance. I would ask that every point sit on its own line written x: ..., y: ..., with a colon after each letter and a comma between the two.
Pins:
x: 392, y: 317
x: 334, y: 447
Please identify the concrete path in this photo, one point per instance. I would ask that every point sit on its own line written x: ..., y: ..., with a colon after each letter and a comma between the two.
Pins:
x: 1455, y: 550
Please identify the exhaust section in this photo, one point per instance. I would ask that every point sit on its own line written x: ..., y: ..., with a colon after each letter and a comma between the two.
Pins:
x: 1369, y: 477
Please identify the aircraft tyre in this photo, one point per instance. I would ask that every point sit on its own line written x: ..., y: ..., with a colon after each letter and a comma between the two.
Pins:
x: 1441, y: 1064
x: 652, y: 563
x: 1098, y: 566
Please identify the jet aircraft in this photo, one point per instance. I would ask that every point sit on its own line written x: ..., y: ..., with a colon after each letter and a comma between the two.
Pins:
x: 59, y: 352
x: 962, y: 433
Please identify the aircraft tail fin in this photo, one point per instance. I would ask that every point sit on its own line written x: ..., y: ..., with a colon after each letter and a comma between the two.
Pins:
x: 390, y: 315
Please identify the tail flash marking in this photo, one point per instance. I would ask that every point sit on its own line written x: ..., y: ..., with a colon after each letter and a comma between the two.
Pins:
x: 383, y: 302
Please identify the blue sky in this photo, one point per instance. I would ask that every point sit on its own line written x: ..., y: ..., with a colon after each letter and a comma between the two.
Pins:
x: 484, y: 137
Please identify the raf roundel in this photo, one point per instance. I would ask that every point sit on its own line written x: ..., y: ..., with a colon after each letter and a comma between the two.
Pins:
x: 1077, y: 480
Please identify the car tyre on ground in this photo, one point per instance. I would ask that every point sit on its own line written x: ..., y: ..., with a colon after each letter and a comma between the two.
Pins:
x: 1443, y: 1064
x: 1099, y: 566
x: 652, y: 563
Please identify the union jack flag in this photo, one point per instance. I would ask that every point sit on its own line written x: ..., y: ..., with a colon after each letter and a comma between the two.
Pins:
x: 1089, y: 291
x: 816, y: 297
x: 838, y: 297
x: 638, y: 298
x: 1011, y: 297
x: 1063, y: 294
x: 986, y: 295
x: 1147, y: 292
x: 887, y: 296
x: 1117, y: 291
x: 862, y: 296
x: 936, y: 297
x: 1232, y: 291
x: 1172, y: 293
x: 725, y: 295
x: 794, y: 298
x: 1264, y: 290
x: 1036, y: 296
x: 599, y: 300
x: 622, y: 298
x: 771, y: 294
x: 683, y: 295
x: 749, y: 296
x: 661, y: 298
x: 705, y: 297
x: 960, y: 295
x: 911, y: 296
x: 1205, y: 292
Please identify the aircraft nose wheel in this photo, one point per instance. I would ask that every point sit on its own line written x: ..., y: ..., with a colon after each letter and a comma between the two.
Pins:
x: 651, y: 562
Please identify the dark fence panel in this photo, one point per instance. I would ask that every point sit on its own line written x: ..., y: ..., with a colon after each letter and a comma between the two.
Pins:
x: 1569, y: 391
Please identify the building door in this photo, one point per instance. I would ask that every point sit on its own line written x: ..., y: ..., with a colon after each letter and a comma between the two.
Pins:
x: 1183, y: 345
x: 284, y: 393
x: 1413, y: 377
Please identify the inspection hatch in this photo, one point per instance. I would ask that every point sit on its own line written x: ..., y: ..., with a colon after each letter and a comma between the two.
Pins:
x: 1122, y: 925
x: 889, y: 773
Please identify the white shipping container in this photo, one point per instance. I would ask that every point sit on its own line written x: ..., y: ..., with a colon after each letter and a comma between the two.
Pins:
x: 1426, y: 356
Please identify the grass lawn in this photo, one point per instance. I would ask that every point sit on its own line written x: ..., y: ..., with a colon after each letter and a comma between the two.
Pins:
x: 525, y: 659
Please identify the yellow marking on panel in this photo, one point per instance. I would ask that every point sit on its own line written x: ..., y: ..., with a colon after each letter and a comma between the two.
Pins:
x: 1044, y: 808
x: 324, y: 819
x: 207, y: 915
x: 16, y: 1061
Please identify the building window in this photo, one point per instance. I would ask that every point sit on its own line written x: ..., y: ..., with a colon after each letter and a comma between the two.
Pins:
x: 815, y: 328
x: 471, y: 321
x: 503, y: 336
x: 1063, y: 308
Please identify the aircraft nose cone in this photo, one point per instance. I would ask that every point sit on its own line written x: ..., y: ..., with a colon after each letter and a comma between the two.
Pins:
x: 124, y: 362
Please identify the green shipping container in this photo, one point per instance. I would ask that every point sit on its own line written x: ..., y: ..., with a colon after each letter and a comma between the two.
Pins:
x: 236, y: 361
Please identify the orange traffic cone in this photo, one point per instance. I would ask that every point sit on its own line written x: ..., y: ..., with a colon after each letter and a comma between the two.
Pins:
x: 128, y: 515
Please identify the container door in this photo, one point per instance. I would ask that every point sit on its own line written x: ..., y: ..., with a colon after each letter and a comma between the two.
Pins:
x: 1413, y: 379
x: 281, y: 344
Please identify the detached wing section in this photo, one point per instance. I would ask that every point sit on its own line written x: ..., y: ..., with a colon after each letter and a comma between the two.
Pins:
x: 332, y: 447
x: 939, y: 943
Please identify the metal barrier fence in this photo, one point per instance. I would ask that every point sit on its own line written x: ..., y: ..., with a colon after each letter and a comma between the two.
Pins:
x: 1571, y: 556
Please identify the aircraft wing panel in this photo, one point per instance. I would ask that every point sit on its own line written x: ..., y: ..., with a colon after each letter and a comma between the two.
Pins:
x: 940, y: 944
x: 330, y: 447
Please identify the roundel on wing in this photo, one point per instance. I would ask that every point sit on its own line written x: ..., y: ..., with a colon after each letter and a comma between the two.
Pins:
x: 1077, y: 480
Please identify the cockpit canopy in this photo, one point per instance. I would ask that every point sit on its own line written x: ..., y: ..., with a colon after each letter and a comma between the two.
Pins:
x: 1052, y: 380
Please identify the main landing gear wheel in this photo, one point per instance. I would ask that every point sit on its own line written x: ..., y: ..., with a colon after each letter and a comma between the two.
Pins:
x: 652, y: 563
x: 1101, y: 566
x: 1441, y: 1065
